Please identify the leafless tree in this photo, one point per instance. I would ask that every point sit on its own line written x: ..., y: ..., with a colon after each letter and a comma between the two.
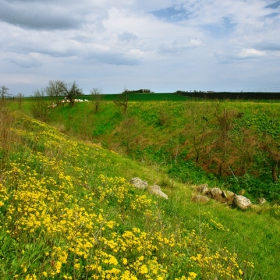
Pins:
x: 96, y: 94
x: 71, y: 91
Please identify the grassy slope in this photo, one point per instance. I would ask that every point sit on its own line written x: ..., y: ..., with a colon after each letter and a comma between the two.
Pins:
x: 54, y: 189
x: 162, y: 132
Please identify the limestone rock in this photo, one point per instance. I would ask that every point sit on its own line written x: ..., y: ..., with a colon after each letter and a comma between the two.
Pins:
x: 242, y: 202
x: 155, y: 189
x: 202, y: 189
x: 138, y: 183
x: 229, y: 196
x: 200, y: 198
x: 217, y: 194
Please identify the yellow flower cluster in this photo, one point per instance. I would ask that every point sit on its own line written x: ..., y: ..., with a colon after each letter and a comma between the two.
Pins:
x: 211, y: 222
x: 63, y: 219
x: 223, y: 264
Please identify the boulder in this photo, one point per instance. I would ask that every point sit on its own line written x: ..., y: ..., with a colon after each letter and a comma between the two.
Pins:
x: 138, y: 183
x: 202, y: 189
x: 200, y: 198
x: 217, y: 194
x: 242, y: 202
x: 155, y: 189
x: 229, y: 196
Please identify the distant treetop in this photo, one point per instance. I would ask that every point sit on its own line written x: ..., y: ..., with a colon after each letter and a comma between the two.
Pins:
x: 141, y: 91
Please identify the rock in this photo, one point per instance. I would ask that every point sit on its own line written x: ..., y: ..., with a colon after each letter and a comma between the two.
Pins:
x: 138, y: 183
x: 262, y: 201
x: 217, y: 194
x: 200, y: 198
x: 242, y: 202
x: 229, y: 196
x: 155, y: 189
x: 202, y: 189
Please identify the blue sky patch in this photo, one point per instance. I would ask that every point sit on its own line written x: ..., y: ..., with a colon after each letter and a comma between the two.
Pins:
x: 174, y: 13
x: 274, y: 5
x: 222, y: 29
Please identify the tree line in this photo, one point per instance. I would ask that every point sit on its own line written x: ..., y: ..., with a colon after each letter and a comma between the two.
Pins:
x: 230, y: 95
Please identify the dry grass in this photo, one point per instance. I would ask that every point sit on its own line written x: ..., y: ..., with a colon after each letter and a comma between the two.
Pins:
x: 7, y: 137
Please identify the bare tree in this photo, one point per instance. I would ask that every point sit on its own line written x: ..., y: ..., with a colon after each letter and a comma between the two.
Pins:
x: 96, y: 94
x: 55, y: 88
x: 72, y: 91
x: 4, y: 93
x: 122, y: 100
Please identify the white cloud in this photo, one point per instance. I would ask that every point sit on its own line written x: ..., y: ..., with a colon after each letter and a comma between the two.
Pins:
x: 245, y: 53
x: 165, y: 45
x: 180, y: 46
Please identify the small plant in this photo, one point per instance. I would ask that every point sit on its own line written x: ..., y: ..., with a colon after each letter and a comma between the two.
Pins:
x: 40, y: 106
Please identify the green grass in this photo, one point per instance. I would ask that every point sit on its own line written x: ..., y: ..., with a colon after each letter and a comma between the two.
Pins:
x: 163, y: 133
x: 67, y: 209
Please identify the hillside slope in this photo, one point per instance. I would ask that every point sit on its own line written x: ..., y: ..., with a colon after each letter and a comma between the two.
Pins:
x: 67, y: 211
x: 235, y: 144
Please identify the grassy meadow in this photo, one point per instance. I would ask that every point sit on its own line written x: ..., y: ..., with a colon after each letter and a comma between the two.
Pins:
x: 68, y: 211
x: 234, y: 144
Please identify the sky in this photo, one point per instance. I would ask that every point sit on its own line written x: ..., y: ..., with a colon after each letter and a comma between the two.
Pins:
x: 164, y: 46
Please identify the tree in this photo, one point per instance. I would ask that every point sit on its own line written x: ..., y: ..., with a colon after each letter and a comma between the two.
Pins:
x: 55, y: 88
x: 96, y: 94
x: 71, y: 91
x: 122, y: 100
x: 4, y: 93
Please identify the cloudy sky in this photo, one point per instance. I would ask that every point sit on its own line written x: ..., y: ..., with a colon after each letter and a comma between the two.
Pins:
x: 164, y: 45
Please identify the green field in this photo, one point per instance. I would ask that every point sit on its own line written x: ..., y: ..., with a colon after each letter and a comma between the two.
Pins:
x: 147, y: 97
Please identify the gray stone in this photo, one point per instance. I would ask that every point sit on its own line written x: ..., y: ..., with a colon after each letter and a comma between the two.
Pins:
x: 138, y: 183
x: 242, y: 202
x: 229, y: 196
x: 217, y: 194
x: 156, y: 190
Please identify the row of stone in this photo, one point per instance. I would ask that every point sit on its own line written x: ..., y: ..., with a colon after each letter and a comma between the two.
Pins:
x: 204, y: 194
x: 154, y: 189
